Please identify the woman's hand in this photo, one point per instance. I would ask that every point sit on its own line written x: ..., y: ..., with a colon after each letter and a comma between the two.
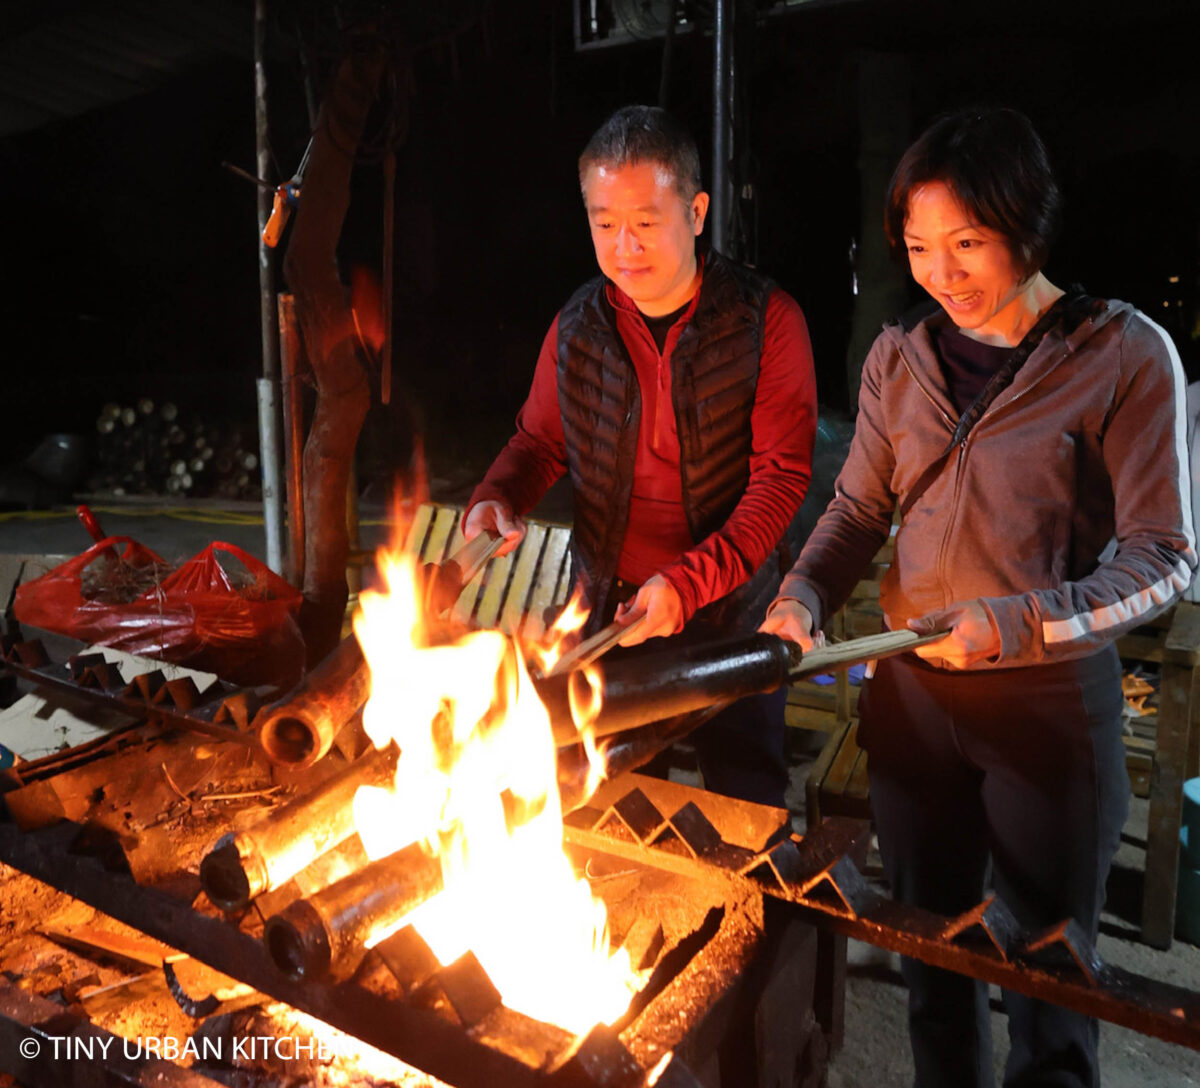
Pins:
x: 789, y: 619
x: 494, y: 515
x: 971, y: 635
x: 664, y: 611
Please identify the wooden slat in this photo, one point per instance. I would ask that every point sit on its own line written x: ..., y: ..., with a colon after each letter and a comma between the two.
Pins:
x: 495, y: 588
x: 546, y: 581
x: 418, y: 531
x: 804, y: 717
x: 465, y: 605
x: 520, y: 582
x: 564, y: 579
x: 813, y: 697
x: 843, y: 763
x: 1182, y: 645
x: 817, y: 774
x: 1178, y: 704
x: 858, y: 787
x: 441, y: 533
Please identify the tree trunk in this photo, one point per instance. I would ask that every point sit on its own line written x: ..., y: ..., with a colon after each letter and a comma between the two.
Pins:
x: 327, y: 325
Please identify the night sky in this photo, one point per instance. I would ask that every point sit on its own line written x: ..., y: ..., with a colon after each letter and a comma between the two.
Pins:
x: 131, y: 252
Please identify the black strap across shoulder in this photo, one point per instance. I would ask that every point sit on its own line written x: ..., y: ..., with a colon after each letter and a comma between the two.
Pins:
x: 1069, y: 308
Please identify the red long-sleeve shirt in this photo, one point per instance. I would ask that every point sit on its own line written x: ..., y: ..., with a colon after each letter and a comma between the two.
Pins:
x: 657, y: 540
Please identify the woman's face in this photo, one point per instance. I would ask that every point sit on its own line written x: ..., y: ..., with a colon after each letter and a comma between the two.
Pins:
x: 967, y: 267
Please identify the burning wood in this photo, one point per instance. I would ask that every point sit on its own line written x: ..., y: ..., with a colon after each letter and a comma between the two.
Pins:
x: 244, y: 865
x: 329, y: 932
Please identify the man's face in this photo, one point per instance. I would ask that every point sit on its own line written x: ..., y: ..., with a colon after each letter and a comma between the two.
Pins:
x: 644, y: 233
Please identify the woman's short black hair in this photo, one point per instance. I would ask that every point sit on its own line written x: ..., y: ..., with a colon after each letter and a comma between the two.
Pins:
x: 997, y: 166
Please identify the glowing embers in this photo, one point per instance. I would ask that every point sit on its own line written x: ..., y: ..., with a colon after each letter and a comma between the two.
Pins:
x: 476, y: 784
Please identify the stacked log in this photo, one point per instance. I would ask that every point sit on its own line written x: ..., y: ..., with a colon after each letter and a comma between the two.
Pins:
x: 151, y: 449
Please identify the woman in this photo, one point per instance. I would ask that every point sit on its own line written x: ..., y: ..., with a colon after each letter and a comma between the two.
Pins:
x: 1018, y: 429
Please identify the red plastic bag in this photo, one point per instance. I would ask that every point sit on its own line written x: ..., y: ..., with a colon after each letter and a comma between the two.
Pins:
x: 199, y: 615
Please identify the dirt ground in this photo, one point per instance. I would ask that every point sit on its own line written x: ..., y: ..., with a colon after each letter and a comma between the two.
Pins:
x: 876, y: 1052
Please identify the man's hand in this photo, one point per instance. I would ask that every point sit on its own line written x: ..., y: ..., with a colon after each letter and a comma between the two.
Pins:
x: 971, y: 635
x: 789, y: 619
x: 496, y: 516
x: 663, y: 608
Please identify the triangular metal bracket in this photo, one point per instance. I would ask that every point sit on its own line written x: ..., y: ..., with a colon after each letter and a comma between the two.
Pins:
x: 994, y: 918
x: 636, y: 812
x: 1067, y: 939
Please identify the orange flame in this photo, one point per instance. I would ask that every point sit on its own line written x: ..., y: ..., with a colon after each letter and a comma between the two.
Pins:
x: 561, y: 634
x: 476, y: 783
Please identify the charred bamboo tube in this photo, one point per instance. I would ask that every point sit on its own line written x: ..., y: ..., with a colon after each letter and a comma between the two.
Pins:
x: 636, y: 691
x: 325, y: 935
x: 651, y: 687
x: 298, y: 729
x: 578, y: 779
x: 244, y: 865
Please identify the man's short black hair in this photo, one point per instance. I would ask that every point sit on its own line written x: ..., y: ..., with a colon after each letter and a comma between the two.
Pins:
x: 645, y: 134
x: 996, y: 164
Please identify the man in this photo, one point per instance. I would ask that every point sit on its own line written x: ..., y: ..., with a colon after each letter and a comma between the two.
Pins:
x: 678, y: 391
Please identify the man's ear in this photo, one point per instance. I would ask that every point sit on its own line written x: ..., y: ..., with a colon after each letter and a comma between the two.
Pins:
x: 699, y: 211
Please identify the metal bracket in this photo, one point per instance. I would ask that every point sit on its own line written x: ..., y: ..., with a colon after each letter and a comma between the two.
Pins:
x: 994, y: 918
x: 1049, y: 946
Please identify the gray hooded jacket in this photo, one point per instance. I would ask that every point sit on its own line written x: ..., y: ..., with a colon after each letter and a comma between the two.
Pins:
x: 1086, y: 445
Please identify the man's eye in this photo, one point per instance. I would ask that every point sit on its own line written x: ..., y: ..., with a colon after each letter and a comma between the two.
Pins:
x: 646, y: 223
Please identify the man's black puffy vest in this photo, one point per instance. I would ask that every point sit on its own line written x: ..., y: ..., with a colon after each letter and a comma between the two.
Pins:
x: 714, y: 372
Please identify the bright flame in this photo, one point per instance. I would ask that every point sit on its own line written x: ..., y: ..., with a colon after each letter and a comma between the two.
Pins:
x: 476, y: 781
x: 561, y: 634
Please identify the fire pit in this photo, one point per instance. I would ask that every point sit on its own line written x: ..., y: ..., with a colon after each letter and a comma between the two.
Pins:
x: 411, y: 886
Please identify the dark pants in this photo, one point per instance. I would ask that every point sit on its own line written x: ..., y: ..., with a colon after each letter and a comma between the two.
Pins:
x: 1022, y: 767
x: 740, y: 749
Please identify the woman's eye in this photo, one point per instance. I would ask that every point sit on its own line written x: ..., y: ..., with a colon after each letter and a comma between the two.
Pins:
x: 916, y: 249
x: 968, y: 243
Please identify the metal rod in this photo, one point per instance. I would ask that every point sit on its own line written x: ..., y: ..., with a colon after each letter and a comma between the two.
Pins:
x: 247, y: 863
x: 268, y: 433
x: 260, y: 182
x: 326, y: 934
x: 291, y: 355
x: 719, y: 213
x: 272, y: 494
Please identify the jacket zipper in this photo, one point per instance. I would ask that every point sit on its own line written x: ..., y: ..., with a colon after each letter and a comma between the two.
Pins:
x: 958, y: 474
x: 944, y: 547
x: 921, y: 386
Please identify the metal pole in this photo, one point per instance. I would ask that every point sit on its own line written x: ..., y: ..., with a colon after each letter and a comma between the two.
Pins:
x: 719, y: 213
x: 291, y: 350
x: 268, y: 425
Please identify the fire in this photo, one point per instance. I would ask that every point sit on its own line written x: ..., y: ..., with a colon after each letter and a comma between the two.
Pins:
x: 476, y: 783
x: 560, y: 633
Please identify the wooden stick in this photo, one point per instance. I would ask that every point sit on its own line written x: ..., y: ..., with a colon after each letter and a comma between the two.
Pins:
x: 600, y: 643
x: 870, y: 648
x: 471, y: 557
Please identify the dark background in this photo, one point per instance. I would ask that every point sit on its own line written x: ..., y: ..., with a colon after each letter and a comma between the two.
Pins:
x: 131, y: 252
